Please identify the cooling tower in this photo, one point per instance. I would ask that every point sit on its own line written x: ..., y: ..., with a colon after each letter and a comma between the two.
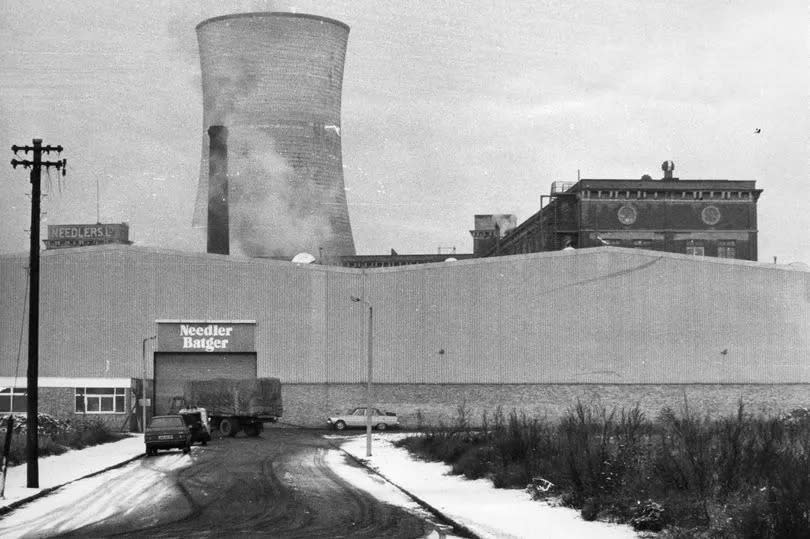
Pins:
x: 274, y: 80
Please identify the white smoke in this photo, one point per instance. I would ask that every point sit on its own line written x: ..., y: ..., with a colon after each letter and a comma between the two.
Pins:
x: 504, y: 222
x: 275, y: 210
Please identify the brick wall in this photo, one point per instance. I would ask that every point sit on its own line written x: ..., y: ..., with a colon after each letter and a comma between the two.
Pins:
x: 60, y: 402
x: 310, y: 404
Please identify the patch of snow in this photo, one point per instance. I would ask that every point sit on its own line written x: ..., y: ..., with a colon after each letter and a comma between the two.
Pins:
x: 373, y: 484
x: 477, y: 504
x: 82, y: 503
x: 57, y: 470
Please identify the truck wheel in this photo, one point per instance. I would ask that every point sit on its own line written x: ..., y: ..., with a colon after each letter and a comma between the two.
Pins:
x: 252, y: 430
x: 228, y: 427
x: 340, y: 425
x: 382, y: 426
x: 186, y: 449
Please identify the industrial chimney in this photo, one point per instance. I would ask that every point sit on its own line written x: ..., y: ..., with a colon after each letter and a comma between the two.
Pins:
x: 274, y: 81
x: 218, y: 235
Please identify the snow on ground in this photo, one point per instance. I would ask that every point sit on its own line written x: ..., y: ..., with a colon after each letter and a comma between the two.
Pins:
x: 477, y: 505
x: 60, y: 469
x: 483, y: 509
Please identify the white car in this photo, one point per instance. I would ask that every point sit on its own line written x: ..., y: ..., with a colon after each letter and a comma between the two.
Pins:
x: 357, y: 418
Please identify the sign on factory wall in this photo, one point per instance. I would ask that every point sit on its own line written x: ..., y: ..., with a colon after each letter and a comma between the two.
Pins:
x: 91, y: 234
x: 86, y: 232
x: 206, y: 336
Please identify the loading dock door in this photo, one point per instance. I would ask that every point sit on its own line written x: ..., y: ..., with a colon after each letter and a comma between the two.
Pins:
x: 172, y: 369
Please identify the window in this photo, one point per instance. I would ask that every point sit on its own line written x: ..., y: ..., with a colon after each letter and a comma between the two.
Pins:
x: 695, y: 248
x: 13, y: 399
x: 100, y: 400
x: 727, y: 249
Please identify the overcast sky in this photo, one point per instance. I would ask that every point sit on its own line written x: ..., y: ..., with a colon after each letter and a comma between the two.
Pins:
x: 449, y: 109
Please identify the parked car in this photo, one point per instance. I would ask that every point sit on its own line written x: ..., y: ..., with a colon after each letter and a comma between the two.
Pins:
x: 167, y: 432
x: 357, y: 418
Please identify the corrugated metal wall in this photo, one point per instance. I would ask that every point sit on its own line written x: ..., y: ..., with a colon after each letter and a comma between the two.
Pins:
x: 602, y: 315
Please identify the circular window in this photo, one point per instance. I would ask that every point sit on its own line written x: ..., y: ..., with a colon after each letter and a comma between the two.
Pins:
x: 710, y: 215
x: 627, y: 215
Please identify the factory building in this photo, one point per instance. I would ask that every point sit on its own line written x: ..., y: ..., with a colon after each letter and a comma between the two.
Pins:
x: 533, y: 332
x: 716, y: 218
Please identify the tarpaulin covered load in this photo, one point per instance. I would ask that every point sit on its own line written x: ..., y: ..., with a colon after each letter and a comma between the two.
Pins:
x: 259, y: 397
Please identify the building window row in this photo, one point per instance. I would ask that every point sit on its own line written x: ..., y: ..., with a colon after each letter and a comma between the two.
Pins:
x: 668, y: 195
x: 102, y: 400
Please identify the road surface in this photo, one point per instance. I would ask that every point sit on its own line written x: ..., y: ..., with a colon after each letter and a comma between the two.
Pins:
x: 278, y: 485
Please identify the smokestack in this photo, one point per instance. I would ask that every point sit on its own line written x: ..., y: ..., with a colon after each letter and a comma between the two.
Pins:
x: 218, y: 234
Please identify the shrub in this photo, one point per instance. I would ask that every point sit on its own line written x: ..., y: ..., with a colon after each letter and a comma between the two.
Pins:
x: 648, y: 516
x: 55, y: 436
x: 475, y: 462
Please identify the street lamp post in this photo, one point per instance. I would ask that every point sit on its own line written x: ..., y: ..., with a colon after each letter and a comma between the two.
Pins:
x: 370, y: 337
x: 143, y: 383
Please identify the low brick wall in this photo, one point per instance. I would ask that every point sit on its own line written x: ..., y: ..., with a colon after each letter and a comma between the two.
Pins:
x: 310, y: 404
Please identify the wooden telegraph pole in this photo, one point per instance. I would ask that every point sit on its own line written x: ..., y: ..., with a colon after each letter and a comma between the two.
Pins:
x: 32, y: 422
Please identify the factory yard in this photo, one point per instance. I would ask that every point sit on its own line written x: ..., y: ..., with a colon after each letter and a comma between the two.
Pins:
x: 288, y: 483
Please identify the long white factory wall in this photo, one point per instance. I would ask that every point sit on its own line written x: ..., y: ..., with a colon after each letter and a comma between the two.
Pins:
x: 605, y: 315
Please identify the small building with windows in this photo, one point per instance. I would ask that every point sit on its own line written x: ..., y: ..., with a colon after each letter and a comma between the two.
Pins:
x: 111, y: 400
x: 701, y: 217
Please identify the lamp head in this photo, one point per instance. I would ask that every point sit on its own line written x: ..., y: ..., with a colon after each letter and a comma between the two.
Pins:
x: 354, y: 299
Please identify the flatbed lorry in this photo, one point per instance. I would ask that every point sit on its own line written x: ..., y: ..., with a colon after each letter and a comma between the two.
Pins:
x: 233, y: 405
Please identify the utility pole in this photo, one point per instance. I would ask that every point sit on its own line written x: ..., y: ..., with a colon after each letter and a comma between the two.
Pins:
x: 32, y: 421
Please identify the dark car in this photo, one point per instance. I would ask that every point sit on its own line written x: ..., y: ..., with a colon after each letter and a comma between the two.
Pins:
x: 167, y: 432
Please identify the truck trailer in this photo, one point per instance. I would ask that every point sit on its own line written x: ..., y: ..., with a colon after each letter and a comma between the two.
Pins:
x: 233, y: 405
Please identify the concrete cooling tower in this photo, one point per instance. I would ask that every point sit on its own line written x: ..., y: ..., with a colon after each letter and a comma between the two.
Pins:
x: 274, y: 81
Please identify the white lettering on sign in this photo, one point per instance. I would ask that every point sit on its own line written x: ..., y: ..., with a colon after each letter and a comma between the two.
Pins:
x: 99, y: 231
x: 209, y: 342
x: 209, y: 345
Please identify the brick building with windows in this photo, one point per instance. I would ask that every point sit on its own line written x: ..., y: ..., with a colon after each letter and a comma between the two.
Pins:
x: 699, y: 217
x: 112, y: 400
